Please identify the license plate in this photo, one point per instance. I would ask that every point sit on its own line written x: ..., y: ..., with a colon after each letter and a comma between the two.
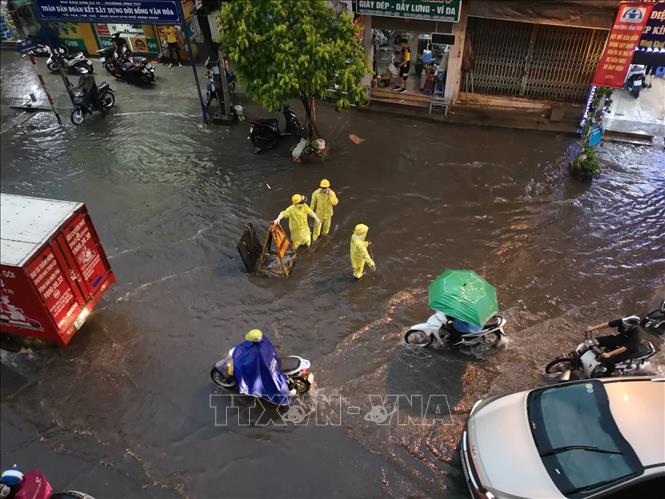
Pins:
x: 102, y: 59
x: 637, y: 83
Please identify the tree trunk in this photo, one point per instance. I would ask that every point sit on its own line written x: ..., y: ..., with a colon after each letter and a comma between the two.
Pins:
x: 310, y: 118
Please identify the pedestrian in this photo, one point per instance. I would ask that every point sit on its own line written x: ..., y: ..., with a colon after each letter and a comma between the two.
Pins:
x: 404, y: 66
x: 297, y: 214
x: 323, y: 200
x: 172, y: 41
x: 358, y: 249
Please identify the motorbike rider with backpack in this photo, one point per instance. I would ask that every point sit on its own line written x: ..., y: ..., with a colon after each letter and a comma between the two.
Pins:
x: 622, y: 346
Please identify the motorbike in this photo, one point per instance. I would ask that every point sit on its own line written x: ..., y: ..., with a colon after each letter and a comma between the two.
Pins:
x: 584, y: 361
x: 264, y: 132
x: 654, y: 322
x: 635, y: 79
x: 61, y: 58
x: 105, y: 99
x: 295, y: 369
x: 438, y: 329
x: 125, y: 68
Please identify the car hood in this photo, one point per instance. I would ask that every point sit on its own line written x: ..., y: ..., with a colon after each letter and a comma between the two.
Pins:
x: 505, y: 454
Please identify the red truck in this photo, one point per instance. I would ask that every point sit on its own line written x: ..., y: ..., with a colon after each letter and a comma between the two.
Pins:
x: 53, y: 269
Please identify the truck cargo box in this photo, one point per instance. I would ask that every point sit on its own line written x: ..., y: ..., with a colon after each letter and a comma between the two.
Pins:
x: 53, y: 269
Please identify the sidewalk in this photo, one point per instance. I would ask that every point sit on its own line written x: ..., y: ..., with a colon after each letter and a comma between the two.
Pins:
x: 642, y: 116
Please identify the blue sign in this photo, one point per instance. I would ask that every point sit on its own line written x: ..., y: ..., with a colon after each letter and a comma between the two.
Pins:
x: 25, y: 46
x: 111, y: 11
x: 595, y: 135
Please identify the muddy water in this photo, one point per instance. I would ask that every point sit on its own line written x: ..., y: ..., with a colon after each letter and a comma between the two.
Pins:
x: 126, y: 409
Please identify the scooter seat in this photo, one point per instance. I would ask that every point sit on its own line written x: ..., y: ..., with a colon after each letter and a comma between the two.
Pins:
x: 269, y: 122
x: 288, y: 364
x: 126, y: 66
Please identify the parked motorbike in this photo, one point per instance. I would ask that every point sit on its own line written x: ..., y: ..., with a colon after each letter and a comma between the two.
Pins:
x: 635, y: 79
x: 584, y: 362
x: 42, y: 49
x: 137, y: 72
x: 295, y: 368
x: 104, y: 97
x: 264, y: 132
x: 438, y: 329
x: 654, y: 322
x: 61, y: 58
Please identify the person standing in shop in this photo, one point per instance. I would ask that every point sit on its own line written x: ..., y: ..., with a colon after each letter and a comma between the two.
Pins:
x: 404, y: 66
x: 172, y: 41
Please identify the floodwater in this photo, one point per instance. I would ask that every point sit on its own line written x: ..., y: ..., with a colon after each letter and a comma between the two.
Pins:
x: 126, y: 409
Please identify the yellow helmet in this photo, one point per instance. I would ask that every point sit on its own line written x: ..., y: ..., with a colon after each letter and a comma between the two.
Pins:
x: 325, y: 183
x: 254, y: 335
x: 360, y: 230
x: 297, y: 198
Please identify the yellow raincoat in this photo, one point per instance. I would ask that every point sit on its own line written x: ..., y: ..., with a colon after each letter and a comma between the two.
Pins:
x: 298, y: 226
x: 322, y: 205
x: 358, y: 249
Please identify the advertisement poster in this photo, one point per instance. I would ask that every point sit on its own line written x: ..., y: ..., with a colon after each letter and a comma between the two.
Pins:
x: 620, y: 47
x: 141, y: 38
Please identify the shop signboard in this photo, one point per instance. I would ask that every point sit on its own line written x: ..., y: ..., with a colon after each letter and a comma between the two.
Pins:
x: 141, y: 38
x: 430, y: 10
x: 653, y: 36
x: 113, y: 11
x: 620, y: 47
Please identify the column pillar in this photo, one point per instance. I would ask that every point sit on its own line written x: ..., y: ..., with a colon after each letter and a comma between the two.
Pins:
x: 454, y: 76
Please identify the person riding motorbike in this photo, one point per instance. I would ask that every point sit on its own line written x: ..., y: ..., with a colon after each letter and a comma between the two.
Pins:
x: 88, y: 87
x: 256, y: 369
x: 622, y: 346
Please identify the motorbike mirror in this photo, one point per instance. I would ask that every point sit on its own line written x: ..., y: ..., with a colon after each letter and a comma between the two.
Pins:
x: 662, y: 306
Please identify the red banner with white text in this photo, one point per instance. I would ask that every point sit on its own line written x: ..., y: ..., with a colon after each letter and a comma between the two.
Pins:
x: 620, y: 46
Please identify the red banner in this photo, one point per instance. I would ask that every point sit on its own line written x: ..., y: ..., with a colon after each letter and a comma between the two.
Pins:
x: 620, y: 47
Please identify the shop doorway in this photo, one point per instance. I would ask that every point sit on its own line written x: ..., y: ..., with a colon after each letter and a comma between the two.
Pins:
x: 425, y: 58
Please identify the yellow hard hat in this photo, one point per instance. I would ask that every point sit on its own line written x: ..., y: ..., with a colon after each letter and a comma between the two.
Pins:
x: 296, y: 198
x: 325, y: 183
x: 360, y: 229
x: 254, y: 335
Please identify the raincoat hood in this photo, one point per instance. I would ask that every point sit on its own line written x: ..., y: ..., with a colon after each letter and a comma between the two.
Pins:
x: 256, y: 371
x: 360, y: 231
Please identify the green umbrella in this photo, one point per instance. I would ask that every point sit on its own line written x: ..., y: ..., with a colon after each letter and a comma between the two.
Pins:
x: 465, y: 295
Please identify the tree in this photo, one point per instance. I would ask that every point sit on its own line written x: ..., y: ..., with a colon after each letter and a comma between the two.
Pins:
x: 285, y: 49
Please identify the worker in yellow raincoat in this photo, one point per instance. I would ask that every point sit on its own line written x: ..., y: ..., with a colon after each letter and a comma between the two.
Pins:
x: 298, y: 227
x: 359, y: 254
x: 323, y: 200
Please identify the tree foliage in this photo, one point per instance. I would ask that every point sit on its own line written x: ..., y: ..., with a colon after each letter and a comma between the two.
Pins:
x: 301, y: 49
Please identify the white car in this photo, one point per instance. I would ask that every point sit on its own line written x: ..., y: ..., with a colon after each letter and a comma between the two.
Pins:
x: 589, y: 438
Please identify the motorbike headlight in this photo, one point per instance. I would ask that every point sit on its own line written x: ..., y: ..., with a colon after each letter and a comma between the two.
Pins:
x: 144, y: 70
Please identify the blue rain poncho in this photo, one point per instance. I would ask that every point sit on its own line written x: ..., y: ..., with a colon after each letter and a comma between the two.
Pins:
x: 256, y: 371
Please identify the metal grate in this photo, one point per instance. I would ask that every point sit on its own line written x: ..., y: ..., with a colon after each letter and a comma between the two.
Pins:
x: 533, y: 60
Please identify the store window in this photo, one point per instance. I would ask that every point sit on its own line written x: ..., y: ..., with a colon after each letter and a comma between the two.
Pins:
x: 428, y: 65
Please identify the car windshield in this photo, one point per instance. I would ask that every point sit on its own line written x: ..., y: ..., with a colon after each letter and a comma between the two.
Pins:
x: 578, y: 439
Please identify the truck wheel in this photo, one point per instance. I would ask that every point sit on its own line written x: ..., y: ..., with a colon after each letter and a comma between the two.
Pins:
x: 77, y: 116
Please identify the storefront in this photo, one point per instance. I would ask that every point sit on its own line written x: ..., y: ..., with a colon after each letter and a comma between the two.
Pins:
x: 144, y: 39
x: 420, y: 31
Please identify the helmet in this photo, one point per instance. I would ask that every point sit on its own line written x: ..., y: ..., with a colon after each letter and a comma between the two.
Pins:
x: 254, y: 335
x: 298, y: 198
x: 12, y: 477
x: 360, y: 229
x: 325, y: 183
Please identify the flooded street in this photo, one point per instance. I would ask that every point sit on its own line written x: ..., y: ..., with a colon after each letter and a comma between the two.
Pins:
x: 125, y: 410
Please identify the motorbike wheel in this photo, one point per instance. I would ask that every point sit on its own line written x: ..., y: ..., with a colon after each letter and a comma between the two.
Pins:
x: 108, y: 68
x: 491, y: 339
x: 77, y: 116
x: 561, y: 365
x: 52, y: 66
x: 263, y: 145
x: 418, y: 338
x: 221, y: 379
x: 301, y: 386
x: 107, y: 101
